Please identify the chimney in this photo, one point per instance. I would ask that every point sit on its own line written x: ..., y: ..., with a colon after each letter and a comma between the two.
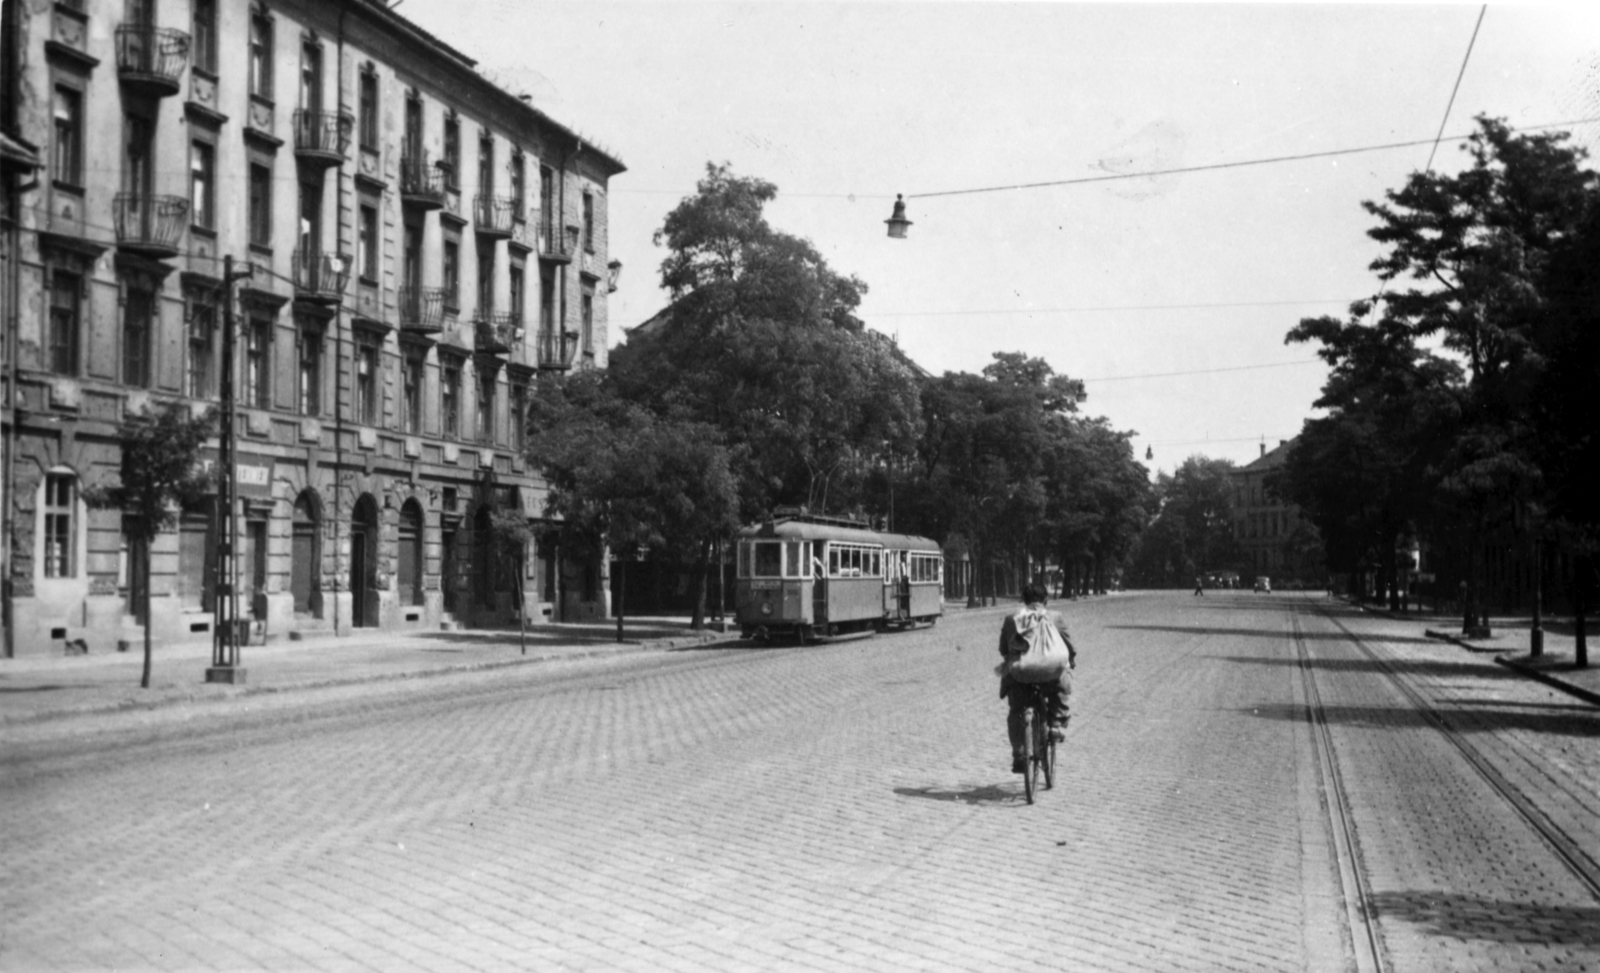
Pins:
x: 1263, y: 449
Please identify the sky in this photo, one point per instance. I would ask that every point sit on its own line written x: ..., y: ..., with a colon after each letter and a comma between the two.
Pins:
x: 1169, y: 295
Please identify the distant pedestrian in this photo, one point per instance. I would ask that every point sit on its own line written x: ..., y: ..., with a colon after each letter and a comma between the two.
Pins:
x: 1199, y: 585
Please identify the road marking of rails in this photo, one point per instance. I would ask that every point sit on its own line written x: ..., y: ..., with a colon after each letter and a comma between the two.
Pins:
x: 1360, y: 917
x: 1583, y: 867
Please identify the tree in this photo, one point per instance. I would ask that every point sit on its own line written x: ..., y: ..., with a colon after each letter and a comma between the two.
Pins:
x: 159, y: 476
x: 632, y: 480
x: 1493, y: 252
x: 1193, y: 529
x: 761, y: 343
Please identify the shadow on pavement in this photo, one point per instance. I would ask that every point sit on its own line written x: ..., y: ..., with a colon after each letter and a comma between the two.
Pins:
x: 1473, y: 917
x: 1419, y: 667
x: 988, y: 794
x: 1460, y: 720
x: 1270, y: 633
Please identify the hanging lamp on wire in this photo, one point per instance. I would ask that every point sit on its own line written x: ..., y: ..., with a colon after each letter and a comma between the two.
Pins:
x: 898, y: 222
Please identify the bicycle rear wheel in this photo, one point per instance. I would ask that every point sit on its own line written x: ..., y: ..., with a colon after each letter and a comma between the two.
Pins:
x: 1047, y: 757
x: 1030, y: 764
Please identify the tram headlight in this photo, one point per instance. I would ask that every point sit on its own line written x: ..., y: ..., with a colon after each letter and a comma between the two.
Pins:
x: 766, y: 608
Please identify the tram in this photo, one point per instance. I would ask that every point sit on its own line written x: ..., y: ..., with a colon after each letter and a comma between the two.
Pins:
x: 804, y: 576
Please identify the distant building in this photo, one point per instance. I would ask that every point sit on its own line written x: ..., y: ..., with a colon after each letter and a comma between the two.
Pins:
x: 421, y: 244
x: 1272, y: 537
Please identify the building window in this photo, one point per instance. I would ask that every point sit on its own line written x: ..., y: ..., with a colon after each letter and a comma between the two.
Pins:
x: 205, y: 35
x: 519, y: 415
x: 412, y: 379
x: 547, y: 300
x: 202, y: 185
x: 485, y: 406
x: 258, y: 363
x: 202, y: 326
x: 452, y: 272
x: 588, y: 222
x: 452, y: 152
x: 260, y: 205
x: 311, y: 76
x: 369, y: 108
x: 486, y: 166
x: 367, y: 242
x: 66, y: 305
x: 588, y: 320
x: 519, y: 167
x: 485, y: 278
x: 60, y: 508
x: 67, y: 166
x: 367, y: 383
x: 138, y: 313
x: 450, y: 398
x: 516, y: 290
x: 309, y: 353
x: 260, y: 54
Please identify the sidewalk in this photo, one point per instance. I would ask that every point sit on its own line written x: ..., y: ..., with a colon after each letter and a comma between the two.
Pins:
x: 42, y: 689
x: 1556, y: 666
x: 55, y: 687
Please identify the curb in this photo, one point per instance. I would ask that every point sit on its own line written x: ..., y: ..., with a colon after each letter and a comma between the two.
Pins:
x: 1549, y: 680
x: 133, y: 706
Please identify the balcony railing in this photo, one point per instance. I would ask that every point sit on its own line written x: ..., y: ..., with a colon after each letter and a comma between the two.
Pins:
x: 148, y: 224
x: 554, y: 245
x: 322, y: 137
x: 557, y: 349
x: 422, y: 309
x: 321, y: 277
x: 151, y: 58
x: 497, y: 333
x: 493, y: 215
x: 421, y: 183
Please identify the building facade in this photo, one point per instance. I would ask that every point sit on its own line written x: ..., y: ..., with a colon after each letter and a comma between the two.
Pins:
x: 1274, y: 540
x: 411, y: 245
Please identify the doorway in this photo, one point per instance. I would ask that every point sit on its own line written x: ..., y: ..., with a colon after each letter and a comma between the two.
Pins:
x: 364, y: 562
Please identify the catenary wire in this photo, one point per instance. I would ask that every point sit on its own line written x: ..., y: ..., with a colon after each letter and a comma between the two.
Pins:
x: 1457, y: 87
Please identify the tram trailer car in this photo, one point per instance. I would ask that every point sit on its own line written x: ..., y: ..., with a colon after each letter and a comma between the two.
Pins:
x: 814, y: 577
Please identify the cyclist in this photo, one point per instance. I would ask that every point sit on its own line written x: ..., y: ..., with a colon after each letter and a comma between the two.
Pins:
x: 1012, y: 645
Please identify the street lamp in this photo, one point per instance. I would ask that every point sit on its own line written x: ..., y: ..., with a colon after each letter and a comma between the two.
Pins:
x: 225, y: 667
x: 613, y: 274
x: 898, y: 222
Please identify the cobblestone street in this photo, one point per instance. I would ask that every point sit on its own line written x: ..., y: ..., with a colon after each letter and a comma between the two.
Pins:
x: 841, y: 807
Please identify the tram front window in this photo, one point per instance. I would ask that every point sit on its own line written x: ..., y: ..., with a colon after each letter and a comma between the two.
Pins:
x: 768, y: 560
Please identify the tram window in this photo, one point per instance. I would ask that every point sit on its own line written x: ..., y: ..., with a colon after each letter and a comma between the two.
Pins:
x: 792, y: 565
x: 768, y: 560
x: 877, y: 564
x: 833, y: 562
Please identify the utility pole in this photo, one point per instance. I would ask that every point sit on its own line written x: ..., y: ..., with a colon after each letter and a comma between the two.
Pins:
x: 225, y: 665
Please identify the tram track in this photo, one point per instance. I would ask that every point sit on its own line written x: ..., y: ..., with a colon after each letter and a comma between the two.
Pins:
x: 1361, y: 923
x: 1567, y: 851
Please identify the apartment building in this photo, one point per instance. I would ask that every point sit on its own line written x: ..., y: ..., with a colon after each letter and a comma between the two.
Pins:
x: 1273, y: 538
x: 412, y: 247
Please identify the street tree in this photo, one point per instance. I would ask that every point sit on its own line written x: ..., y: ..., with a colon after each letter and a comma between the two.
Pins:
x: 159, y: 475
x: 762, y: 343
x: 633, y: 481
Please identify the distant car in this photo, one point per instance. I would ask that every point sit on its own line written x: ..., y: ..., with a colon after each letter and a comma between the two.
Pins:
x: 1264, y: 583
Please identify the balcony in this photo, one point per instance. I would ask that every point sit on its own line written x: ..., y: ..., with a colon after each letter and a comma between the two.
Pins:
x: 555, y: 246
x: 492, y: 215
x: 321, y: 277
x: 422, y: 309
x: 151, y: 59
x: 497, y: 334
x: 421, y: 183
x: 322, y: 138
x: 557, y: 349
x: 150, y: 225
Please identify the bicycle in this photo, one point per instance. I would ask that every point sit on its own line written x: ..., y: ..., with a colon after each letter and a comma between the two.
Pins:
x: 1039, y: 751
